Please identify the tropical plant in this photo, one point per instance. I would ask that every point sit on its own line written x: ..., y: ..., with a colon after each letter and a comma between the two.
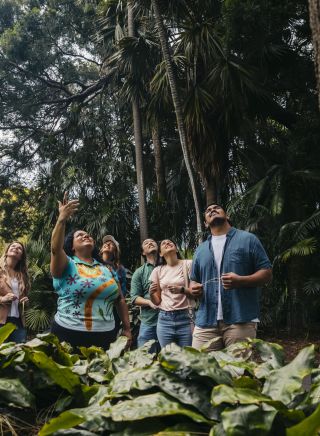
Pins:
x: 42, y: 302
x: 184, y: 390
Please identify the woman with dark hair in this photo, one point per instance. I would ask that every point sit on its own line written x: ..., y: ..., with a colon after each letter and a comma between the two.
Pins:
x: 110, y: 253
x: 171, y: 292
x: 87, y: 290
x: 14, y: 287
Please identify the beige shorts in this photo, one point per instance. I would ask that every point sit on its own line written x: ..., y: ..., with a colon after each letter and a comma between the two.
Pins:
x: 224, y: 335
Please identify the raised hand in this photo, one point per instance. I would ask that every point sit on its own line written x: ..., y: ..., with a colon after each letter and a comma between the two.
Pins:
x: 67, y: 208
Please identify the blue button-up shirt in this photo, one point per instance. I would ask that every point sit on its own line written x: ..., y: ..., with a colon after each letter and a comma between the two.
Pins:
x: 244, y: 255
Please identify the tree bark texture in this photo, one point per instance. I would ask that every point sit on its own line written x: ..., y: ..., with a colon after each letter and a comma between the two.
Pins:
x: 178, y: 108
x: 160, y: 176
x: 136, y: 115
x: 314, y: 12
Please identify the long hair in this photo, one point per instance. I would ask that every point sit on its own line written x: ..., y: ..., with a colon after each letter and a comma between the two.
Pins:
x: 21, y: 268
x: 162, y: 259
x: 68, y: 245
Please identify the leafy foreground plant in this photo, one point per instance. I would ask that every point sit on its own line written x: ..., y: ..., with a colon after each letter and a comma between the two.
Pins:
x: 183, y: 392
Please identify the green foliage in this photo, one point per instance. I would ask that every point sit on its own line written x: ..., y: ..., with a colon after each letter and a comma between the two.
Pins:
x: 121, y: 392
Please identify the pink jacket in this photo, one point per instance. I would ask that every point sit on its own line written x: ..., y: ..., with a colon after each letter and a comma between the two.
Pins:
x: 5, y: 288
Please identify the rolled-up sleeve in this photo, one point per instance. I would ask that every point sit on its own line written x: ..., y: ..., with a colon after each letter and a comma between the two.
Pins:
x: 136, y: 289
x: 195, y: 275
x: 260, y: 257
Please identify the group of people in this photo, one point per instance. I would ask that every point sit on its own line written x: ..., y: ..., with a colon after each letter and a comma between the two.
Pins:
x: 223, y: 281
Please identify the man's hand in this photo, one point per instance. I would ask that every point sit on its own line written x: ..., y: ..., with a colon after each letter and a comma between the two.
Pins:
x: 153, y: 288
x: 196, y: 290
x: 152, y: 306
x: 231, y: 280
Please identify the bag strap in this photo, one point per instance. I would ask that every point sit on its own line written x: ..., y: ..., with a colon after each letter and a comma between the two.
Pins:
x: 186, y: 273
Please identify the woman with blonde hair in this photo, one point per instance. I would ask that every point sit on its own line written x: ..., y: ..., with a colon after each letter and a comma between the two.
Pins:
x: 14, y: 288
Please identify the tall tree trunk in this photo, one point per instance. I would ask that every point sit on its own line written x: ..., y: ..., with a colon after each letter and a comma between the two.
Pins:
x: 161, y: 182
x: 136, y: 115
x: 211, y: 191
x: 178, y: 108
x: 314, y: 12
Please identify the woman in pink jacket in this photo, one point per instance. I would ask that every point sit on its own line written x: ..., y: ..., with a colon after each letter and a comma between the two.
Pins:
x: 14, y: 287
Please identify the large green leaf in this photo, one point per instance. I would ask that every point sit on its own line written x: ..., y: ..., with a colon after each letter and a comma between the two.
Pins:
x: 313, y: 397
x: 188, y: 361
x: 6, y: 331
x: 234, y: 359
x: 251, y: 420
x: 189, y: 393
x: 272, y: 356
x: 61, y: 353
x: 190, y: 429
x: 117, y: 347
x: 309, y: 426
x: 61, y: 375
x: 226, y: 394
x: 14, y: 393
x: 139, y: 358
x: 69, y: 419
x: 149, y: 406
x: 286, y: 383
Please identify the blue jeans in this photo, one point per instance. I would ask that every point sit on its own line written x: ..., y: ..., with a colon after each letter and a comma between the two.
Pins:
x: 20, y: 334
x: 146, y: 333
x: 174, y: 326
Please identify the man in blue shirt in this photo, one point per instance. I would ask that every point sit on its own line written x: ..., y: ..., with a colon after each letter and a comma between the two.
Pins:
x: 230, y: 266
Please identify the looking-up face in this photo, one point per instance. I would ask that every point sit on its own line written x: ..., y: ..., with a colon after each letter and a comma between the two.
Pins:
x: 109, y: 247
x: 82, y: 239
x: 15, y: 250
x: 149, y: 246
x: 167, y: 246
x: 215, y: 214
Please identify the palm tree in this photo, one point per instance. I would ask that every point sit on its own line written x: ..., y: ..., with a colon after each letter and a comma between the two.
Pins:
x: 136, y: 115
x: 178, y: 107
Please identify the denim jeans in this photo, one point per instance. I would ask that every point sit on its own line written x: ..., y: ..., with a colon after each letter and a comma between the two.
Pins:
x: 20, y: 334
x: 174, y: 326
x: 146, y: 333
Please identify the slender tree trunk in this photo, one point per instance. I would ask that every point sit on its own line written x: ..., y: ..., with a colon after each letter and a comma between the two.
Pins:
x: 211, y: 191
x: 314, y: 12
x: 178, y: 108
x: 136, y: 115
x: 161, y: 182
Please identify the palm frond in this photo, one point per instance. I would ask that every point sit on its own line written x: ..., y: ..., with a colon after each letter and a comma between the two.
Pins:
x: 312, y: 286
x: 37, y: 319
x: 308, y: 226
x: 306, y: 247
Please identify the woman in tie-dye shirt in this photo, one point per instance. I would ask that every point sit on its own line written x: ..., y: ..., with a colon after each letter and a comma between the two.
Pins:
x: 87, y: 290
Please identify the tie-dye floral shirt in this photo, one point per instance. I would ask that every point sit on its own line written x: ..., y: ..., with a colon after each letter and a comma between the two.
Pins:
x: 86, y: 296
